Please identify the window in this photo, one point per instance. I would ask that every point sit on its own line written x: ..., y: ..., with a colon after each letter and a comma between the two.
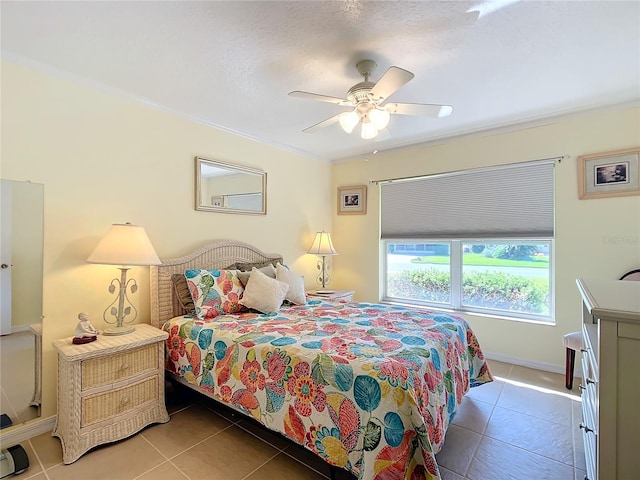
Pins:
x: 506, y: 278
x: 477, y: 240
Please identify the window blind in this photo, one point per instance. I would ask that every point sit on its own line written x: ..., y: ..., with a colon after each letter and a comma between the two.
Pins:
x: 508, y: 201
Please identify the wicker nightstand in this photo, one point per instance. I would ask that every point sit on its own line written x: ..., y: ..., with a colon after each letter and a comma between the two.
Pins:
x: 333, y: 296
x: 109, y: 389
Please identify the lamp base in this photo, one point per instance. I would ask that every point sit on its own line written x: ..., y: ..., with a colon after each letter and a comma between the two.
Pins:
x: 124, y: 329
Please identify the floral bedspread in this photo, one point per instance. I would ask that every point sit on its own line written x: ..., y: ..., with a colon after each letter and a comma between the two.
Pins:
x: 369, y: 388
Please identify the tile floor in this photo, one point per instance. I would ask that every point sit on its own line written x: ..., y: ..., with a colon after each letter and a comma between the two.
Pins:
x: 523, y: 425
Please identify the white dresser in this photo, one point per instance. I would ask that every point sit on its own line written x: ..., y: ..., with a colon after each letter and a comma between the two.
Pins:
x: 611, y: 378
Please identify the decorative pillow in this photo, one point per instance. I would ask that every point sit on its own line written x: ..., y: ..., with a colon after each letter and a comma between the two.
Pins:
x: 214, y: 292
x: 182, y: 294
x: 247, y: 266
x: 296, y: 285
x: 268, y: 269
x: 264, y: 293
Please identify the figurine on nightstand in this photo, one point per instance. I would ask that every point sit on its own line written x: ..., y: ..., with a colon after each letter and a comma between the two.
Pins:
x: 85, y: 332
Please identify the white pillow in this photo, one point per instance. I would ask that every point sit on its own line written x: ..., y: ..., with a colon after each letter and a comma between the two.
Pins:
x: 263, y: 293
x: 296, y: 285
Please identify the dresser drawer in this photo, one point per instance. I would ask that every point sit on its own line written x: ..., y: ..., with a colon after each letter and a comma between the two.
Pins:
x: 590, y: 454
x: 96, y: 408
x: 97, y: 372
x: 589, y: 426
x: 589, y: 395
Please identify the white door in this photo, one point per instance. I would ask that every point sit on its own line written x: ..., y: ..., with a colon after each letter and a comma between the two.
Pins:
x: 5, y: 256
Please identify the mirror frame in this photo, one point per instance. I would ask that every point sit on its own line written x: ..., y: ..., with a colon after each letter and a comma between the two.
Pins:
x: 200, y: 161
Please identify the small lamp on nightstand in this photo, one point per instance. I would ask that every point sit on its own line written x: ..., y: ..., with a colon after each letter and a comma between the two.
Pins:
x: 125, y: 245
x: 323, y: 247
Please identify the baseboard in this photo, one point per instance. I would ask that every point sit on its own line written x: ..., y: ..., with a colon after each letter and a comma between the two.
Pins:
x: 545, y: 367
x: 19, y: 328
x: 20, y: 433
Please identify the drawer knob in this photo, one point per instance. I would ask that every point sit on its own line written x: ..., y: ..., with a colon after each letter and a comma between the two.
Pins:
x: 582, y: 387
x: 584, y: 350
x: 125, y: 401
x: 125, y: 366
x: 585, y: 428
x: 590, y: 380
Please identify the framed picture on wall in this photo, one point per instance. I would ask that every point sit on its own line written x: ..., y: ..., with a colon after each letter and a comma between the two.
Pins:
x: 610, y: 174
x: 352, y: 200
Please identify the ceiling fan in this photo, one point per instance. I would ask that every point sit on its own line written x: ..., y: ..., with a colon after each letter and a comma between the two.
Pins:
x: 368, y: 102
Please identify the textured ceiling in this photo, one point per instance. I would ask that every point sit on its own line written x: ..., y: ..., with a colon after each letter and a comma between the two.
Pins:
x: 232, y: 64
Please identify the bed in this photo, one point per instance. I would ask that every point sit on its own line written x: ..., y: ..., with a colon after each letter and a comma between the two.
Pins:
x: 369, y: 388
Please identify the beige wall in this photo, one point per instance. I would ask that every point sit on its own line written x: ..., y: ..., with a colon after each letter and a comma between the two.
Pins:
x: 104, y: 159
x: 594, y: 238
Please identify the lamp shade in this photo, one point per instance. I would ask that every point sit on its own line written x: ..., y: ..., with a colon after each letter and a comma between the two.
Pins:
x: 380, y: 118
x: 127, y: 245
x: 368, y: 129
x: 322, y: 245
x: 349, y: 120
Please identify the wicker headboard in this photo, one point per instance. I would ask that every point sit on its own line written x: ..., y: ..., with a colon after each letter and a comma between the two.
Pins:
x: 214, y: 255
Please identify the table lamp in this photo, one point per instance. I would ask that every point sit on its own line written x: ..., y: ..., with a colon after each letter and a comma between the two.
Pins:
x: 323, y: 247
x: 125, y: 245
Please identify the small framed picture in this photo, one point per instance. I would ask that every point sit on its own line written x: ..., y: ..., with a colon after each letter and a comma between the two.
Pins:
x: 352, y: 200
x: 218, y: 201
x: 610, y: 174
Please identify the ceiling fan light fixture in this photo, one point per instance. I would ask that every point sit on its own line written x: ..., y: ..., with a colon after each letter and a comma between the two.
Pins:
x: 349, y: 120
x: 368, y: 99
x: 379, y: 118
x: 369, y: 131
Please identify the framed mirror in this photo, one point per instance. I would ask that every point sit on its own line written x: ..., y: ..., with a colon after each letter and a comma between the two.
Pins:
x: 228, y: 188
x: 21, y: 287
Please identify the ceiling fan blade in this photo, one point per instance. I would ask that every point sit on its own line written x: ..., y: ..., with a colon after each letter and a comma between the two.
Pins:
x: 420, y: 109
x: 392, y: 80
x: 321, y: 98
x: 324, y: 123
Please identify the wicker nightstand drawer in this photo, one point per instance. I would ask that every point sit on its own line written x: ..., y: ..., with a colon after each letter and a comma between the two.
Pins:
x: 104, y: 371
x: 117, y: 402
